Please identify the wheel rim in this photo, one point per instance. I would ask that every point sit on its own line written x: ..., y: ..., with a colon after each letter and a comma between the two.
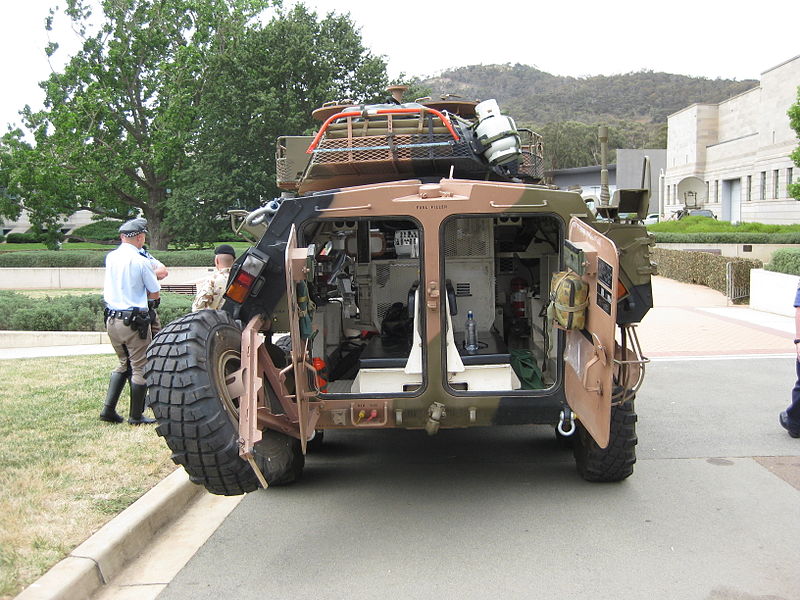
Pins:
x: 228, y: 363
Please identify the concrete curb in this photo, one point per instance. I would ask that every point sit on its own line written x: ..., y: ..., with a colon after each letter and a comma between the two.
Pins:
x: 103, y: 556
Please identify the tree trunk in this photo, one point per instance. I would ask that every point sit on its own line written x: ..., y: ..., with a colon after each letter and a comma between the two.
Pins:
x: 154, y: 213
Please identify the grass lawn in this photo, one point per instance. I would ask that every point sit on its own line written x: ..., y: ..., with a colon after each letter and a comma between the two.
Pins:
x: 63, y: 472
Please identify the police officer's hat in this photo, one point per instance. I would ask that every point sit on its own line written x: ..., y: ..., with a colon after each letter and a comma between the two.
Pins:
x: 133, y: 227
x: 225, y: 249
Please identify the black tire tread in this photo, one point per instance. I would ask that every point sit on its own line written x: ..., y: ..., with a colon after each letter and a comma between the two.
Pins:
x: 615, y: 462
x: 191, y: 417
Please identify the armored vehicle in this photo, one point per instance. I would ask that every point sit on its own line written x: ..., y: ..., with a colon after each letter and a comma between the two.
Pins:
x: 427, y: 279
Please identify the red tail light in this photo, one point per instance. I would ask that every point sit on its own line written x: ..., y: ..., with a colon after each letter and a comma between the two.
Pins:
x: 244, y: 279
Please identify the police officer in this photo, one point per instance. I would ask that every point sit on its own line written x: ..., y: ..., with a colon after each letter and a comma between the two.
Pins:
x: 209, y: 293
x: 129, y: 282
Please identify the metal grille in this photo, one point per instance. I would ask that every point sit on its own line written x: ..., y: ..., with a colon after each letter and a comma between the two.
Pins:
x: 737, y: 281
x: 505, y: 265
x: 381, y: 274
x: 532, y: 165
x: 463, y: 288
x: 389, y: 147
x: 468, y: 238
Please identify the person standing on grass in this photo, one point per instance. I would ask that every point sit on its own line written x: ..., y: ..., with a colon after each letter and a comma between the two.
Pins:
x: 209, y: 293
x: 790, y: 418
x: 129, y: 282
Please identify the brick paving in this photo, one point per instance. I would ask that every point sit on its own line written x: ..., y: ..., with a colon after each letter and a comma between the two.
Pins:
x: 693, y: 320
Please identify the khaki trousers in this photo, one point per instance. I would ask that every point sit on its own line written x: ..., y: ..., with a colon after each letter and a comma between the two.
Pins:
x: 130, y: 348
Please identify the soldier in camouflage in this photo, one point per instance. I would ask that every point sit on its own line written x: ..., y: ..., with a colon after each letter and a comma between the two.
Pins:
x: 209, y: 293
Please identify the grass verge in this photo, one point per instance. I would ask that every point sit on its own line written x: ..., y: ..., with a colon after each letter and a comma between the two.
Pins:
x: 64, y: 473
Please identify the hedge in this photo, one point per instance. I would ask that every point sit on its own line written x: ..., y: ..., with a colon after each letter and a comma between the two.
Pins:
x: 785, y: 260
x: 727, y: 237
x: 704, y: 268
x: 104, y: 231
x: 96, y: 258
x: 84, y: 312
x: 23, y: 238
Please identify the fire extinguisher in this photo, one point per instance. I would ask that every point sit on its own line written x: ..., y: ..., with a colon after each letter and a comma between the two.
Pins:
x: 319, y: 365
x: 518, y: 297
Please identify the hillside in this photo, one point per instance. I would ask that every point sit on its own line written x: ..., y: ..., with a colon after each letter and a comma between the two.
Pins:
x: 532, y: 96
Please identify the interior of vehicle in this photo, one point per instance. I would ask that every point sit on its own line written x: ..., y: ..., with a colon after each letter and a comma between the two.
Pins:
x: 369, y: 320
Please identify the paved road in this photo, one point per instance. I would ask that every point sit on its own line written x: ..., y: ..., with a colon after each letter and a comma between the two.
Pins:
x: 501, y: 513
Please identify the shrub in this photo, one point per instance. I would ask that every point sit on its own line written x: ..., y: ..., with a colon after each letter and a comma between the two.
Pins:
x: 727, y: 237
x: 23, y: 238
x: 52, y: 258
x: 103, y: 231
x: 704, y: 268
x: 785, y: 260
x: 708, y: 225
x: 96, y: 258
x: 72, y: 313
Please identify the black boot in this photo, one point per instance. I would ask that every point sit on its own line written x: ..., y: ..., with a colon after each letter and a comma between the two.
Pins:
x: 115, y: 386
x: 138, y: 392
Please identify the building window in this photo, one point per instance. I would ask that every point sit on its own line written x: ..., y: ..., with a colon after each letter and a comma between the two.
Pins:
x: 749, y: 192
x: 708, y: 195
x: 716, y: 191
x: 763, y: 193
x: 788, y: 178
x: 775, y: 193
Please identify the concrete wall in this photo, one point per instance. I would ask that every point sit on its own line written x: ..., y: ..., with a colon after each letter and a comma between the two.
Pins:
x: 24, y: 278
x: 773, y: 292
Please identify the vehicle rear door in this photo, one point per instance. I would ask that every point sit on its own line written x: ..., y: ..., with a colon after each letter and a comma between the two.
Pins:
x: 299, y: 265
x: 589, y: 352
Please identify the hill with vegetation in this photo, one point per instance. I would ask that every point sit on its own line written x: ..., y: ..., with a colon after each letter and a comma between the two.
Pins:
x: 634, y: 105
x: 535, y: 97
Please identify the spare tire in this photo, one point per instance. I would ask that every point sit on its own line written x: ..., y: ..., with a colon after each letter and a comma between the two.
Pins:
x: 187, y: 364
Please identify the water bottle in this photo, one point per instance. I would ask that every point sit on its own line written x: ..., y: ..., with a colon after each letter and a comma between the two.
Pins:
x: 471, y: 334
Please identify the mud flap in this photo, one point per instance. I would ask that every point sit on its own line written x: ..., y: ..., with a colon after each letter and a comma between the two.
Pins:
x: 589, y: 353
x: 299, y: 265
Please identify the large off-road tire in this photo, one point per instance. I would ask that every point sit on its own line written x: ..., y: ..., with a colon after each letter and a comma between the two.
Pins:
x: 186, y: 368
x: 615, y: 462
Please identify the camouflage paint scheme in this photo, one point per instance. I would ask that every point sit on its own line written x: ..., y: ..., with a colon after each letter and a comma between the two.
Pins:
x: 429, y: 203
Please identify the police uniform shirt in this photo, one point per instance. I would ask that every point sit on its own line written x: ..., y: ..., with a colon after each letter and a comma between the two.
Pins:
x: 128, y: 279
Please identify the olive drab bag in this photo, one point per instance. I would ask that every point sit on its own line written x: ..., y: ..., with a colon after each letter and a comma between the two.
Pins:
x: 569, y: 297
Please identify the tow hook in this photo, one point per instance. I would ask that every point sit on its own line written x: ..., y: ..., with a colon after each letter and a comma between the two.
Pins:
x: 436, y: 413
x: 566, y: 422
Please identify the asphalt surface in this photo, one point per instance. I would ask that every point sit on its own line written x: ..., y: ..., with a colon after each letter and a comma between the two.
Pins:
x: 712, y: 510
x: 501, y: 513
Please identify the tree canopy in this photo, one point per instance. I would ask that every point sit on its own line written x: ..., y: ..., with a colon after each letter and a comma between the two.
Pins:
x: 171, y: 108
x: 794, y: 121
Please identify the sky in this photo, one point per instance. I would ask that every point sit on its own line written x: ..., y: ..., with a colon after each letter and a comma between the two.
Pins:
x: 579, y: 38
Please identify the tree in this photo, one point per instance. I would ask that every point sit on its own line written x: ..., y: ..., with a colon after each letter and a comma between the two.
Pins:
x: 171, y: 108
x: 113, y: 135
x: 267, y: 86
x: 794, y: 121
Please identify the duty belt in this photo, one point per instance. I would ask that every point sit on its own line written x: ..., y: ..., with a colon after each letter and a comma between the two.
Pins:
x: 121, y: 314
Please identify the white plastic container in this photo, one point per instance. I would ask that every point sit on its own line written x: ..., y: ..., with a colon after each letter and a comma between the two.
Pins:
x: 498, y: 133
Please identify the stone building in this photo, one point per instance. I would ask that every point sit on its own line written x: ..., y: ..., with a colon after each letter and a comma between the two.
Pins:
x: 733, y: 157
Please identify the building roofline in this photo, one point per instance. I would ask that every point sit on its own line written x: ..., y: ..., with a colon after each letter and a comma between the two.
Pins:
x: 692, y: 106
x: 781, y: 64
x: 578, y: 170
